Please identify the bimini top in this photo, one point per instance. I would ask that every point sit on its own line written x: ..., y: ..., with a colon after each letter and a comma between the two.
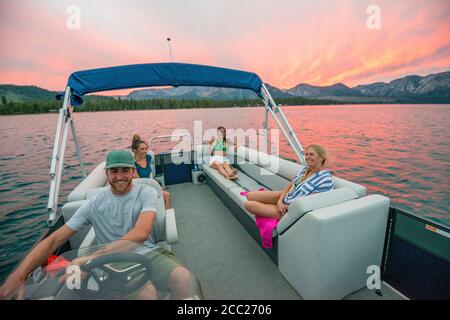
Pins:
x: 157, y: 74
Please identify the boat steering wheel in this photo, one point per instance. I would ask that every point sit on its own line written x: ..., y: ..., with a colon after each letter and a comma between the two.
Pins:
x: 113, y: 283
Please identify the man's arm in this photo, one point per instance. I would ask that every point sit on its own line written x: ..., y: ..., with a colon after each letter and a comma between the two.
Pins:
x: 34, y: 259
x: 132, y: 239
x: 142, y: 229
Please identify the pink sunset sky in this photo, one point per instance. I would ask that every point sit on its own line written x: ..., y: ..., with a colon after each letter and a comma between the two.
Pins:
x: 286, y: 42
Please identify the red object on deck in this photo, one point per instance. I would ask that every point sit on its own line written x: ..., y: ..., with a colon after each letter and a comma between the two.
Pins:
x: 55, y: 264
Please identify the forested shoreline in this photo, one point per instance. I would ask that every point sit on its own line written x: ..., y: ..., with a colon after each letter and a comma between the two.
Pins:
x: 97, y: 103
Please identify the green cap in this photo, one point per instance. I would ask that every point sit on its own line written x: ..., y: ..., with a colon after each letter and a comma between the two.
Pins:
x: 119, y: 159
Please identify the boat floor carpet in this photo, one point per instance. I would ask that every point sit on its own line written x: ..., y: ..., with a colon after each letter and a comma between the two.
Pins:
x: 216, y: 248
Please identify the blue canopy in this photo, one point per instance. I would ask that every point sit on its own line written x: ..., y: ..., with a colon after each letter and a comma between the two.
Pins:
x: 157, y: 74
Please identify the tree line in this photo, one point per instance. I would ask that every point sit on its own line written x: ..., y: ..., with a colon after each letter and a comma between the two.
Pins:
x: 98, y: 103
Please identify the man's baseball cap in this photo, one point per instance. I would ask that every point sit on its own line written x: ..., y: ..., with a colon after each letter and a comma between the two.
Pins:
x: 119, y: 159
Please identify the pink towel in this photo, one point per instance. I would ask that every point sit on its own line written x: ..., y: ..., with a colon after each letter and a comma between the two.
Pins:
x: 245, y: 193
x: 266, y: 226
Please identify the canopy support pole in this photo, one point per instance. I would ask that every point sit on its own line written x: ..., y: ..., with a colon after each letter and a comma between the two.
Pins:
x: 283, y: 124
x: 57, y: 165
x: 77, y: 148
x: 266, y: 129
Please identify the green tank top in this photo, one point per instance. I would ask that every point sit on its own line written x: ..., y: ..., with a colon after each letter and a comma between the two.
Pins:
x: 220, y: 146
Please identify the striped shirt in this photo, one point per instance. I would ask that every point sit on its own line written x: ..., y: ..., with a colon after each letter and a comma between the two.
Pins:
x: 319, y: 182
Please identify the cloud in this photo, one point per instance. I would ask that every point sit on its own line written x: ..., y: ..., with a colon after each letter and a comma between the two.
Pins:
x: 286, y: 42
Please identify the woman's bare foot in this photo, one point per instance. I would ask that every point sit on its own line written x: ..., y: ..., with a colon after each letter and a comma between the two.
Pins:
x: 232, y: 176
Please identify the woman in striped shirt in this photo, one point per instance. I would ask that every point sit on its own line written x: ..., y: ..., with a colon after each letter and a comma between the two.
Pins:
x: 310, y: 179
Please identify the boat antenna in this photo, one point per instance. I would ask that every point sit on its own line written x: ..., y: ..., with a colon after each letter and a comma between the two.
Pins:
x: 170, y: 49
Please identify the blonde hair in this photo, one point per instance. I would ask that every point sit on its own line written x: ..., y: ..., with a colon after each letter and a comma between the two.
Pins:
x: 320, y: 151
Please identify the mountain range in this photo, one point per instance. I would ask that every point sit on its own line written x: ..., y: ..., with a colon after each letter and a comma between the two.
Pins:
x: 431, y: 87
x: 202, y: 93
x: 409, y: 89
x: 434, y: 87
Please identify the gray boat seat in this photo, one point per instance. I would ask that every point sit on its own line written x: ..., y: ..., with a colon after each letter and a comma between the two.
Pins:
x: 68, y: 211
x: 164, y: 229
x: 152, y: 163
x: 95, y: 179
x: 326, y: 241
x: 268, y: 171
x: 326, y: 253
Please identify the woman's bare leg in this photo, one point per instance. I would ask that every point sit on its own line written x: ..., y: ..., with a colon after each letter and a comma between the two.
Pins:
x: 229, y: 169
x: 263, y: 204
x: 219, y: 167
x: 167, y: 201
x: 268, y: 197
x: 263, y: 210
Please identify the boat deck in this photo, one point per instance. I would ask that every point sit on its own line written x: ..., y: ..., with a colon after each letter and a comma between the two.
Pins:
x: 226, y: 260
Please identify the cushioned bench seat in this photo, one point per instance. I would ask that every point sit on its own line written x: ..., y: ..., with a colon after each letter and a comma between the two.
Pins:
x: 95, y: 179
x: 325, y: 242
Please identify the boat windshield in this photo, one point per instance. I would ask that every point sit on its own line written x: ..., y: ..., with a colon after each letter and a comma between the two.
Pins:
x: 121, y: 270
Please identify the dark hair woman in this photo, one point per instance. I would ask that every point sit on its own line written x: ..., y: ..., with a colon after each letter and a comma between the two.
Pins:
x: 219, y: 160
x: 142, y: 161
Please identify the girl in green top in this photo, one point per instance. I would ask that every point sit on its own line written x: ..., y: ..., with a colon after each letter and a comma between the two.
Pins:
x: 219, y: 160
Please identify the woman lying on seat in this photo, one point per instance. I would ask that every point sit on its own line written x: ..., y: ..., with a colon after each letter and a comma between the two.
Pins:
x: 143, y: 164
x: 219, y: 160
x: 310, y: 179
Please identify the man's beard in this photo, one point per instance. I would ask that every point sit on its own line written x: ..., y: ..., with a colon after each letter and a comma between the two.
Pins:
x: 121, y: 186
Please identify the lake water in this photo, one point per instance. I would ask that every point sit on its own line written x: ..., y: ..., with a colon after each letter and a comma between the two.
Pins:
x: 401, y: 151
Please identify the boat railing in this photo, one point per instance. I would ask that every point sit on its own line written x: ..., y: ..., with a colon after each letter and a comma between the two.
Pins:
x: 170, y: 138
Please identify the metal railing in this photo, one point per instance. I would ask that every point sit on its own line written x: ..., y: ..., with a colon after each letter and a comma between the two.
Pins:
x: 171, y: 136
x: 65, y: 123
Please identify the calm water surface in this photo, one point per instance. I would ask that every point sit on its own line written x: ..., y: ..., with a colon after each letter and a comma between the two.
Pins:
x: 401, y: 151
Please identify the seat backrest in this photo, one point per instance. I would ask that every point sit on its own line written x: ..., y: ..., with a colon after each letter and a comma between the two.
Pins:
x: 95, y: 179
x: 259, y: 166
x: 276, y: 165
x: 152, y: 163
x: 360, y: 190
x: 67, y: 211
x: 159, y: 226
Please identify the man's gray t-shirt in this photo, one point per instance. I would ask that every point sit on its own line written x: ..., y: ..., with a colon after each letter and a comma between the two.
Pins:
x: 112, y: 216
